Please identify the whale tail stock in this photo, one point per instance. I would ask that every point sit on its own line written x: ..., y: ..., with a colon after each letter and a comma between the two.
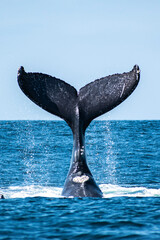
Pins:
x: 63, y: 100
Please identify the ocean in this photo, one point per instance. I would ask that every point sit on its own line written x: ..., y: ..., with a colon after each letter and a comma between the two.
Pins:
x: 124, y: 158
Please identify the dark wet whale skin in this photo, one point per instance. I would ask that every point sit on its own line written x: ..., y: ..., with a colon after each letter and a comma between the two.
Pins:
x: 1, y: 196
x: 78, y: 109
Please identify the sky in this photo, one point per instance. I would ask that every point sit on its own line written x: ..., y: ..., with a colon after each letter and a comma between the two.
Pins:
x: 79, y: 41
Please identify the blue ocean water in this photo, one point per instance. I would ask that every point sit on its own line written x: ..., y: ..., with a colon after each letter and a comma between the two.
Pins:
x: 124, y: 158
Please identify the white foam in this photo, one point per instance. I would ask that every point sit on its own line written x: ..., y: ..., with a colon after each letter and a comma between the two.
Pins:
x: 32, y: 191
x: 109, y: 191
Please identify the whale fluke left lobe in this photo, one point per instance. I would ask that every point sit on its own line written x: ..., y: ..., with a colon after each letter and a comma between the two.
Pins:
x: 50, y: 93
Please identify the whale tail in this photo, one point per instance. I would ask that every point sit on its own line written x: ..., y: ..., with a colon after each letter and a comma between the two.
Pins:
x: 78, y: 109
x: 63, y: 100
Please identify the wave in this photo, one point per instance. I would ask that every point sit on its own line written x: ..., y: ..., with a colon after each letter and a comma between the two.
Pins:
x: 109, y: 191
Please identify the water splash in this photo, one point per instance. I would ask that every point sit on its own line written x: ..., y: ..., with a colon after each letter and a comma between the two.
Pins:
x: 110, y: 161
x: 32, y: 191
x: 34, y: 152
x: 109, y: 191
x: 27, y: 140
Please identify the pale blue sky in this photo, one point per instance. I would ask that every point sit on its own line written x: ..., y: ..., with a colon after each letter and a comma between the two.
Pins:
x: 79, y: 41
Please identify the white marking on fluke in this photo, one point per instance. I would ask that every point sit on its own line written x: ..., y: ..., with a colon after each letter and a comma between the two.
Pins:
x: 80, y: 179
x: 122, y: 90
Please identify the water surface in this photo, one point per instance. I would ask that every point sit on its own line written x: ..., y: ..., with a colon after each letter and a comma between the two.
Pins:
x: 124, y: 157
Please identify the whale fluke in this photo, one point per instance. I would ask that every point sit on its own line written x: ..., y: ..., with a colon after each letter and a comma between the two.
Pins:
x: 93, y: 100
x: 78, y: 109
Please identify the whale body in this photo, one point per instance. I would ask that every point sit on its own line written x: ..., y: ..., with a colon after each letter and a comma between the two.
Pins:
x: 78, y: 109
